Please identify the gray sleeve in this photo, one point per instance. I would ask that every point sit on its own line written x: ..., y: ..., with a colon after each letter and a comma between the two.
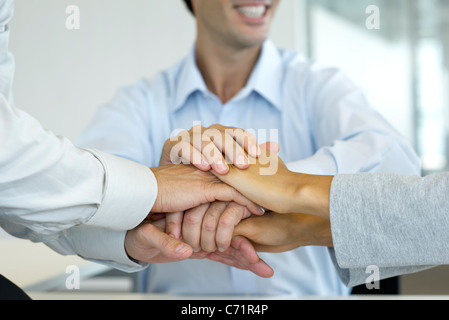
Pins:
x: 352, y: 277
x: 398, y: 223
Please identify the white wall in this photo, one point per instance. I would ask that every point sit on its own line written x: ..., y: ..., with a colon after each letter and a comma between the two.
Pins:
x: 380, y: 67
x: 63, y: 75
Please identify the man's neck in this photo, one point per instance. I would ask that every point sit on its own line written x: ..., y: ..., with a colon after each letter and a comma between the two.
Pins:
x: 225, y: 70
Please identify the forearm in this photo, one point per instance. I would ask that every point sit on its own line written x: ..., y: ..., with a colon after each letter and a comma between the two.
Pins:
x: 309, y: 194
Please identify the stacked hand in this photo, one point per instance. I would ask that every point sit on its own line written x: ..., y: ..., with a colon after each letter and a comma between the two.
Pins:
x: 200, y: 214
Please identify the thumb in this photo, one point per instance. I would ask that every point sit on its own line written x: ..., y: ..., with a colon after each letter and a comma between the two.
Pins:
x: 168, y: 245
x: 270, y: 146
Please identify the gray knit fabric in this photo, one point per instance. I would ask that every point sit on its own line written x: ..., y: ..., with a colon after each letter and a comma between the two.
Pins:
x: 398, y: 223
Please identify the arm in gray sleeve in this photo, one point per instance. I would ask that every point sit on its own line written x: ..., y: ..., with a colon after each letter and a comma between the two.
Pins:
x: 398, y: 223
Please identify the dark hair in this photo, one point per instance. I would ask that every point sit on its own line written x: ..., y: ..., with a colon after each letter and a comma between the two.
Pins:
x: 189, y: 6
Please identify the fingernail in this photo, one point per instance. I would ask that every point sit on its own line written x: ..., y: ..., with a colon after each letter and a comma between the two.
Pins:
x: 182, y: 248
x: 262, y: 209
x: 221, y: 166
x: 196, y: 249
x: 241, y: 160
x: 204, y: 163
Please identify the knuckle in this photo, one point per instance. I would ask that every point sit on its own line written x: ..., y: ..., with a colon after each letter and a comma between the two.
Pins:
x: 217, y: 126
x: 171, y: 225
x: 192, y: 217
x: 210, y: 224
x: 227, y: 221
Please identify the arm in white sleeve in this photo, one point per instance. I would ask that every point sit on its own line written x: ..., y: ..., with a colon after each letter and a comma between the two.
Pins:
x: 349, y: 135
x: 47, y: 185
x: 6, y: 58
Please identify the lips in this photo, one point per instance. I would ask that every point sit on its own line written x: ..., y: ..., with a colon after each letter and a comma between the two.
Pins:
x: 252, y: 11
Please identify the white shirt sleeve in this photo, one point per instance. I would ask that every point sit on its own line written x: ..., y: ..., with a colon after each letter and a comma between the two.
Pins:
x: 6, y: 58
x: 76, y: 201
x: 48, y: 185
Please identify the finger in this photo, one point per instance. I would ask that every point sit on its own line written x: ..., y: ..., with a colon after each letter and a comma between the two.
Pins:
x: 166, y: 244
x: 223, y: 192
x: 229, y: 147
x: 155, y: 216
x: 160, y: 224
x: 191, y: 226
x: 212, y: 154
x: 231, y: 217
x: 173, y: 224
x: 272, y: 147
x: 210, y: 224
x: 247, y: 140
x: 241, y: 253
x: 247, y: 250
x: 186, y: 153
x: 257, y: 266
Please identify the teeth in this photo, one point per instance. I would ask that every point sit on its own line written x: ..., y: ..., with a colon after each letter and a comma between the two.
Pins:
x: 252, y: 11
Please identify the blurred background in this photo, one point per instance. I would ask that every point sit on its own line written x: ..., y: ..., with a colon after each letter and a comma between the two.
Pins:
x: 63, y: 75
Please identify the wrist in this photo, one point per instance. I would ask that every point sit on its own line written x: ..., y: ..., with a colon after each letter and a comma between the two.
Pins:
x: 312, y: 231
x: 310, y: 194
x: 157, y: 203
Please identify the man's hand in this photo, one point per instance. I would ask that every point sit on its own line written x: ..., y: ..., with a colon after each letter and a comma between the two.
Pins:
x: 211, y: 148
x: 242, y: 255
x: 149, y: 243
x: 182, y: 187
x: 210, y: 226
x: 274, y: 232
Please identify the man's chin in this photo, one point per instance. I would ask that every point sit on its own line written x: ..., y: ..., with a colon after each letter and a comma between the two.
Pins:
x: 250, y: 41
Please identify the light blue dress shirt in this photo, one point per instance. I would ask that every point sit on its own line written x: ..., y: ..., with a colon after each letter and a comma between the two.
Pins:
x: 321, y: 120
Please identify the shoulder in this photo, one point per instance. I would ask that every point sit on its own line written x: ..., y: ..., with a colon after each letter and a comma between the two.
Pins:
x: 147, y: 91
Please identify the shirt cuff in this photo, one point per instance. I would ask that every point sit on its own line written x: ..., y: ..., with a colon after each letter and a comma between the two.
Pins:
x: 130, y: 190
x: 104, y: 246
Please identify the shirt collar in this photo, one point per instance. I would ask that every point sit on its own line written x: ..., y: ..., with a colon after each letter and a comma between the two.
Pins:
x: 267, y: 74
x: 189, y: 81
x: 265, y: 78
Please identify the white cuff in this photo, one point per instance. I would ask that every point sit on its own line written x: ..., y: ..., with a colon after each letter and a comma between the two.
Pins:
x: 130, y: 190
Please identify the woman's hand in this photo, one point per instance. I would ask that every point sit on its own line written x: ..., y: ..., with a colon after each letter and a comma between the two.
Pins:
x: 274, y: 232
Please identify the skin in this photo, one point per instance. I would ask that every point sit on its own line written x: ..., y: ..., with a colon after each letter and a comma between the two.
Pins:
x: 281, y: 191
x: 273, y: 232
x: 180, y: 187
x: 228, y: 45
